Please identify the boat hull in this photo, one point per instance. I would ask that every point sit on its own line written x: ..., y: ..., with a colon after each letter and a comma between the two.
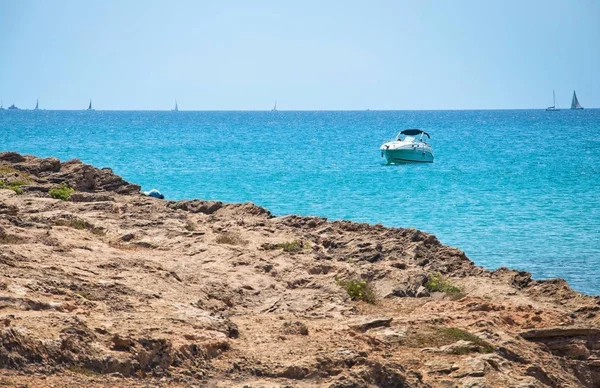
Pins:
x: 407, y: 155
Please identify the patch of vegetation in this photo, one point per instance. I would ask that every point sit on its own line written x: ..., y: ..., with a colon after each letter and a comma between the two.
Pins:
x: 231, y: 239
x: 190, y: 226
x: 289, y: 246
x: 435, y: 283
x: 454, y: 334
x: 441, y: 336
x: 358, y: 289
x: 83, y: 371
x: 84, y: 294
x: 62, y: 192
x: 77, y: 223
x: 6, y: 170
x: 294, y: 328
x: 13, y: 179
x: 14, y: 186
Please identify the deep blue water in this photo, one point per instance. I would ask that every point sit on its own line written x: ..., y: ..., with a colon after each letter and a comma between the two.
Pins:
x: 510, y: 188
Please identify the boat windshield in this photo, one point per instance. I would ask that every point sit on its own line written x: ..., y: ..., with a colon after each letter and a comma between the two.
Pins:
x: 412, y: 136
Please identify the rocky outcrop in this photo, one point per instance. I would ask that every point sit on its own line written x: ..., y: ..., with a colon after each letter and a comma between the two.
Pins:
x: 42, y: 174
x: 113, y: 288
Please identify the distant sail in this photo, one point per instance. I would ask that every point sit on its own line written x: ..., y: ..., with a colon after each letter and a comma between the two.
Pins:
x: 37, y: 104
x: 274, y: 107
x: 575, y: 102
x: 176, y: 109
x: 553, y: 107
x: 90, y: 106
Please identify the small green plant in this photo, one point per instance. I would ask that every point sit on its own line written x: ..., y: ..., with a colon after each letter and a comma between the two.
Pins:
x: 62, y: 192
x: 230, y: 239
x: 435, y: 283
x: 289, y: 246
x: 14, y: 186
x: 358, y: 289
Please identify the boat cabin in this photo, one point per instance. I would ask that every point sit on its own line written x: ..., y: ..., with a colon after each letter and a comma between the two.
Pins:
x: 411, y: 134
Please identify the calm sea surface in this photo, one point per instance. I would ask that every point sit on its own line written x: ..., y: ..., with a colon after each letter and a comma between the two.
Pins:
x: 510, y: 188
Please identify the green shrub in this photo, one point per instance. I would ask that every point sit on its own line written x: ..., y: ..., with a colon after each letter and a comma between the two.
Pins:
x: 358, y: 289
x: 435, y: 283
x: 290, y: 246
x: 14, y: 186
x: 62, y: 192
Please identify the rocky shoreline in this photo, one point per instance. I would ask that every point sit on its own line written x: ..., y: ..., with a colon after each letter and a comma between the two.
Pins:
x: 113, y: 288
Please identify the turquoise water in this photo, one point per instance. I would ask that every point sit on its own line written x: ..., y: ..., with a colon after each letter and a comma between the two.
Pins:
x: 510, y: 188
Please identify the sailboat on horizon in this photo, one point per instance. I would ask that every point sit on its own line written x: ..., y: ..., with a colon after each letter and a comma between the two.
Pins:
x: 274, y: 107
x: 553, y: 107
x: 90, y: 106
x: 176, y: 109
x: 575, y: 102
x: 37, y: 104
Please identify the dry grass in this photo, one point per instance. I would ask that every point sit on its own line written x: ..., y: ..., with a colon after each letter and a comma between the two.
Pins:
x: 7, y: 170
x: 83, y: 371
x: 230, y: 238
x: 190, y: 226
x: 80, y: 224
x: 438, y: 336
x: 289, y: 246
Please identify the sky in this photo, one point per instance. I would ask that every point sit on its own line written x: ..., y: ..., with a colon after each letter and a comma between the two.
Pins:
x: 307, y: 55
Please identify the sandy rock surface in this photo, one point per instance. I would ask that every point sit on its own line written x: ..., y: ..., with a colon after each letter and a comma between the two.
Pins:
x: 113, y: 288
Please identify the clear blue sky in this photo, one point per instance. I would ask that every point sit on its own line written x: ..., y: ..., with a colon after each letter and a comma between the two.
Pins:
x: 306, y: 54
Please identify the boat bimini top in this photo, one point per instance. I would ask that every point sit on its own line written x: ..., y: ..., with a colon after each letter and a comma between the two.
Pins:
x: 414, y: 132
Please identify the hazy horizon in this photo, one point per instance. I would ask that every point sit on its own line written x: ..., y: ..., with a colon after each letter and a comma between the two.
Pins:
x: 287, y: 110
x: 236, y: 56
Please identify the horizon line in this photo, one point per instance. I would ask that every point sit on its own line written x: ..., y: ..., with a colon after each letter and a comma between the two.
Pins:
x: 288, y: 110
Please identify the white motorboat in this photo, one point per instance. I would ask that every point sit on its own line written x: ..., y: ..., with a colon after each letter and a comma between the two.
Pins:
x: 408, y: 147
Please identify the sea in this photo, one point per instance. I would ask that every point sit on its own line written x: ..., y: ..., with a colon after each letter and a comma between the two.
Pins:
x: 512, y: 188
